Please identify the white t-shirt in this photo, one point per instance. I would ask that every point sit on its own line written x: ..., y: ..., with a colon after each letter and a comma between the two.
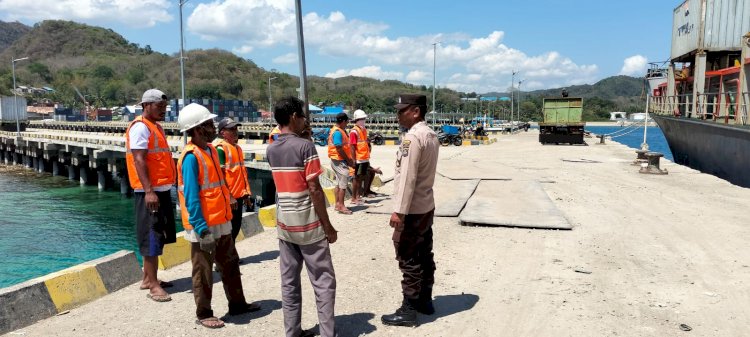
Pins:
x: 139, y: 135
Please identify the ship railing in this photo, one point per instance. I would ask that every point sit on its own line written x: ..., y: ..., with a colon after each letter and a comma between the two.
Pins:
x: 721, y: 107
x: 676, y: 105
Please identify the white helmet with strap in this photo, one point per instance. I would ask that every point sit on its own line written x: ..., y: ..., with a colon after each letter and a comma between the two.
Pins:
x: 359, y: 114
x: 193, y: 115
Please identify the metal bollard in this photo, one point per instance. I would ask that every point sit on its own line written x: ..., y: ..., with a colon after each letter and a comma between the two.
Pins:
x: 641, y: 158
x: 601, y: 139
x: 652, y: 164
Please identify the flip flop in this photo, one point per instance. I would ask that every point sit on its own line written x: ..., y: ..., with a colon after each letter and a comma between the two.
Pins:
x: 204, y: 322
x: 163, y: 284
x: 347, y: 212
x: 159, y: 298
x: 358, y: 202
x: 249, y: 307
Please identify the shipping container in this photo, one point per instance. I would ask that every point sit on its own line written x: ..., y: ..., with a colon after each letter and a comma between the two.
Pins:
x: 719, y: 27
x: 101, y: 118
x: 10, y: 108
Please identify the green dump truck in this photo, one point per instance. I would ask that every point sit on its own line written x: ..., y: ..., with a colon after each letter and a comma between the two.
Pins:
x: 562, y: 121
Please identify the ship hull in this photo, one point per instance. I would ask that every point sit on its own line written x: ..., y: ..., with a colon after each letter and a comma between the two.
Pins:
x: 716, y: 149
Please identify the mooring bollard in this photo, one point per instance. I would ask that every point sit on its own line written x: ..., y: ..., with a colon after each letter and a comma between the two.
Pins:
x: 641, y: 158
x: 652, y: 164
x: 601, y: 139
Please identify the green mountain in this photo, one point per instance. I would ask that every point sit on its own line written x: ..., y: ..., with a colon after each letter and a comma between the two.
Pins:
x: 111, y: 71
x: 10, y: 32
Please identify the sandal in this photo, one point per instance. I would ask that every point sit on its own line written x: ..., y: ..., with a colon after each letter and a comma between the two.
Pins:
x: 344, y: 211
x: 211, y: 323
x: 159, y: 298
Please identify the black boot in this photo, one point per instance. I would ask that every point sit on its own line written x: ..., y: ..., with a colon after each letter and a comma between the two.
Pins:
x: 404, y: 316
x: 424, y: 304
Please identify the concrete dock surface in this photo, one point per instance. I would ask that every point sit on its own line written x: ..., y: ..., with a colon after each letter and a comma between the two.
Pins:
x: 645, y: 255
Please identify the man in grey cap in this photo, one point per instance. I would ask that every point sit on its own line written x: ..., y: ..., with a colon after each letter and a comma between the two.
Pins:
x: 232, y: 160
x: 416, y: 163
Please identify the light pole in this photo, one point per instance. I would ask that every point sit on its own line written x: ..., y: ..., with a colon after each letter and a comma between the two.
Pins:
x: 15, y: 94
x: 182, y: 70
x: 270, y: 98
x: 302, y: 63
x: 518, y: 113
x: 434, y: 62
x: 512, y: 94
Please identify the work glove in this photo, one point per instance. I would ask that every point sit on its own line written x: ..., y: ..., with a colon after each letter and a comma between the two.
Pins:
x: 207, y: 242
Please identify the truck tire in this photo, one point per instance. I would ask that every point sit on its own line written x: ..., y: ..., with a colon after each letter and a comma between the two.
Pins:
x: 457, y: 141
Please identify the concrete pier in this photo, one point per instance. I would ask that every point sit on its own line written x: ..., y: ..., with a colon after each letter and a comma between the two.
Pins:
x: 71, y: 172
x: 642, y: 257
x: 83, y: 175
x: 55, y: 168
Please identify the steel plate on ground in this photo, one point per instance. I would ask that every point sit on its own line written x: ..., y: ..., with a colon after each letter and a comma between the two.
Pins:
x: 512, y: 204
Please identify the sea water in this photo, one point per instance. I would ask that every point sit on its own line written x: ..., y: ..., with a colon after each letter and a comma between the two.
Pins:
x: 634, y: 137
x: 51, y: 223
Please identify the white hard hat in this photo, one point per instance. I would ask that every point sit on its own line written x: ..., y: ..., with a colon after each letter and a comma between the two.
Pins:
x: 359, y: 114
x: 193, y: 115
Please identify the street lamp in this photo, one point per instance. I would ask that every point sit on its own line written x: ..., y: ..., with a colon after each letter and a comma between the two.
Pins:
x: 270, y: 98
x: 15, y: 94
x: 182, y: 71
x: 512, y: 79
x: 519, y: 100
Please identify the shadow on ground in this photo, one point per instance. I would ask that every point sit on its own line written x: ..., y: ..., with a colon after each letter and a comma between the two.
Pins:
x: 446, y: 305
x: 351, y: 325
x: 266, y: 308
x: 265, y: 256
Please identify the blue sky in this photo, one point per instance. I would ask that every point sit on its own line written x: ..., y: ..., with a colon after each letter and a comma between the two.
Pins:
x: 552, y: 43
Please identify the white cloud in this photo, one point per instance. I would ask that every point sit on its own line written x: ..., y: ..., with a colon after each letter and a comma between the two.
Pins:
x: 418, y: 76
x: 486, y: 59
x: 134, y: 13
x: 634, y: 66
x: 287, y: 58
x: 243, y: 50
x: 367, y: 71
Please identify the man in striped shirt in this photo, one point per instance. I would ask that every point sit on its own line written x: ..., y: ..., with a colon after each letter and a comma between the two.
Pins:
x: 302, y: 223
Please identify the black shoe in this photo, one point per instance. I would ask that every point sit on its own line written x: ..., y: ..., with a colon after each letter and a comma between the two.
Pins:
x: 404, y: 316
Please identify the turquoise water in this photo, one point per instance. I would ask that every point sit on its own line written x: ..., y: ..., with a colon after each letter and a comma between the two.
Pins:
x: 654, y: 138
x: 50, y: 223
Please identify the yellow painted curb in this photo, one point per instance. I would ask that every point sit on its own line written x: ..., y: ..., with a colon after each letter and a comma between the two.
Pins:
x: 258, y: 142
x: 390, y: 142
x: 259, y: 157
x: 240, y: 237
x: 74, y: 286
x: 466, y: 143
x: 267, y: 216
x: 175, y: 253
x: 376, y: 182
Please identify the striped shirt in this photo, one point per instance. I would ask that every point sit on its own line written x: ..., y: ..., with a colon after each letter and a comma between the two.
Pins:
x: 294, y: 161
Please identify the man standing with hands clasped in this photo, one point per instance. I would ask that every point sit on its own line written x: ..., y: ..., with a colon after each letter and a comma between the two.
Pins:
x: 416, y: 162
x: 206, y: 216
x: 151, y: 172
x: 232, y: 159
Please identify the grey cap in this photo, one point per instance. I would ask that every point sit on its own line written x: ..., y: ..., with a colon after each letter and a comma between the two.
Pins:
x: 227, y: 123
x: 153, y: 95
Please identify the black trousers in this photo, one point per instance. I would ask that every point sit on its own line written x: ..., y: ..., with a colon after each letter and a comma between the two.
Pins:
x: 237, y: 217
x: 414, y: 254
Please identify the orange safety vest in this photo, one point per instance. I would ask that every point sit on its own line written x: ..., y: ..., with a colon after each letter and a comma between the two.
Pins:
x: 332, y: 152
x: 234, y: 169
x: 214, y: 193
x: 161, y: 169
x: 362, y: 146
x: 274, y: 132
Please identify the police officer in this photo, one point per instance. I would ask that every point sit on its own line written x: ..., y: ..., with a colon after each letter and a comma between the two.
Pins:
x: 414, y: 202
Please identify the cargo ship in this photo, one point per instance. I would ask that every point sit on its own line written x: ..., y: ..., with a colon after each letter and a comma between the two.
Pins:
x: 700, y: 98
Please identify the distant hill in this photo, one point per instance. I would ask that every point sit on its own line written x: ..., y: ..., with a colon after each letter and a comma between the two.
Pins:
x: 113, y: 71
x: 10, y: 32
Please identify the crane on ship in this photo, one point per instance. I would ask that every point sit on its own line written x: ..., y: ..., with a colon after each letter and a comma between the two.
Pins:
x: 90, y: 111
